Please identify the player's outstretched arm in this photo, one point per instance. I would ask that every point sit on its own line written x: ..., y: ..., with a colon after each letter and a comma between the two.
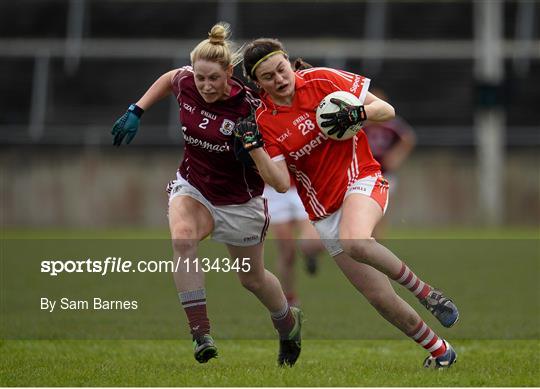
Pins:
x: 159, y: 90
x: 127, y: 125
x: 378, y: 110
x: 273, y: 173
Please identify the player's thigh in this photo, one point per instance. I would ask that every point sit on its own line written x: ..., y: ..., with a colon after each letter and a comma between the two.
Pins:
x: 360, y: 216
x: 241, y: 225
x: 189, y: 218
x: 364, y: 205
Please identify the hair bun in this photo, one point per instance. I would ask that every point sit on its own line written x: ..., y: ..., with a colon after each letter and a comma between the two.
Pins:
x: 217, y: 47
x: 219, y: 33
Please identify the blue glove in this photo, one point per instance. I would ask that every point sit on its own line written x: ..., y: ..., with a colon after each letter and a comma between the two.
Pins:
x: 127, y: 126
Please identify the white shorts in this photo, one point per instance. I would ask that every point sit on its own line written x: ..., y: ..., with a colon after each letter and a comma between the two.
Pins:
x: 239, y: 224
x: 284, y: 207
x: 374, y: 186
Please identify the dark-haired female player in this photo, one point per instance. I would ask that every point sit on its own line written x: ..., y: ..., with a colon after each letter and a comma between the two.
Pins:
x: 339, y: 182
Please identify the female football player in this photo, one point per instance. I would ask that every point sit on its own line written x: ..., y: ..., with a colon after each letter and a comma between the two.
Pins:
x: 339, y: 182
x: 214, y: 193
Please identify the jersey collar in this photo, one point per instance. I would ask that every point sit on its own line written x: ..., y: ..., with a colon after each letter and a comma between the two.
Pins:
x: 238, y: 92
x: 300, y: 82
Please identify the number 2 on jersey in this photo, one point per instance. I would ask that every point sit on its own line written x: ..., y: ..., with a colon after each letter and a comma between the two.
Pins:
x: 204, y: 123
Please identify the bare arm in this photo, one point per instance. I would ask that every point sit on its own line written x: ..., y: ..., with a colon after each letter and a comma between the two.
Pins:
x: 126, y: 127
x: 378, y: 110
x: 273, y: 173
x: 159, y: 89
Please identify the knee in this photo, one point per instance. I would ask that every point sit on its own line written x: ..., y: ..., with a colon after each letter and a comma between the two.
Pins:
x: 183, y: 238
x: 253, y: 283
x: 184, y: 245
x: 358, y: 249
x: 183, y: 231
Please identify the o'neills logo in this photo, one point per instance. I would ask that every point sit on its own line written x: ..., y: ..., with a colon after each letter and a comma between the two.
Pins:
x: 203, y: 144
x: 209, y: 115
x: 307, y: 149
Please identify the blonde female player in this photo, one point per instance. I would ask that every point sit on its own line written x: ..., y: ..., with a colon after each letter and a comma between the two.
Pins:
x: 339, y: 182
x: 213, y: 193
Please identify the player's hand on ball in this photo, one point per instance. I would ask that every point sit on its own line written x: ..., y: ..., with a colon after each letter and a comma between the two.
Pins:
x: 347, y: 115
x: 247, y: 131
x: 127, y: 126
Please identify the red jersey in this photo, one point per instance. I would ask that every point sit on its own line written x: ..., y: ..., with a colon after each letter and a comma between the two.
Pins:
x: 209, y: 162
x: 322, y: 168
x: 382, y: 136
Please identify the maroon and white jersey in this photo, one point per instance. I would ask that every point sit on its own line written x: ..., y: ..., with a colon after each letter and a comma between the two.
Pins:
x: 382, y: 136
x: 209, y: 162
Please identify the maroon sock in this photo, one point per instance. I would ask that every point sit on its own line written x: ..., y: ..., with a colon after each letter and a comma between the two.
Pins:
x: 283, y: 321
x: 194, y: 304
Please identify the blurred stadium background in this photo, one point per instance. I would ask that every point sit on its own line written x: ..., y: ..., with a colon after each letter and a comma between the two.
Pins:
x: 464, y: 74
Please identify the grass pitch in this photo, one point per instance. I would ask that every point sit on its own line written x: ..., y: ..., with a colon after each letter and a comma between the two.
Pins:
x: 493, y: 278
x: 252, y: 363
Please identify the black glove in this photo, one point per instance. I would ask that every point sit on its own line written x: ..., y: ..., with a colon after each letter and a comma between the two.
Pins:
x: 241, y: 154
x: 247, y: 132
x: 347, y: 116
